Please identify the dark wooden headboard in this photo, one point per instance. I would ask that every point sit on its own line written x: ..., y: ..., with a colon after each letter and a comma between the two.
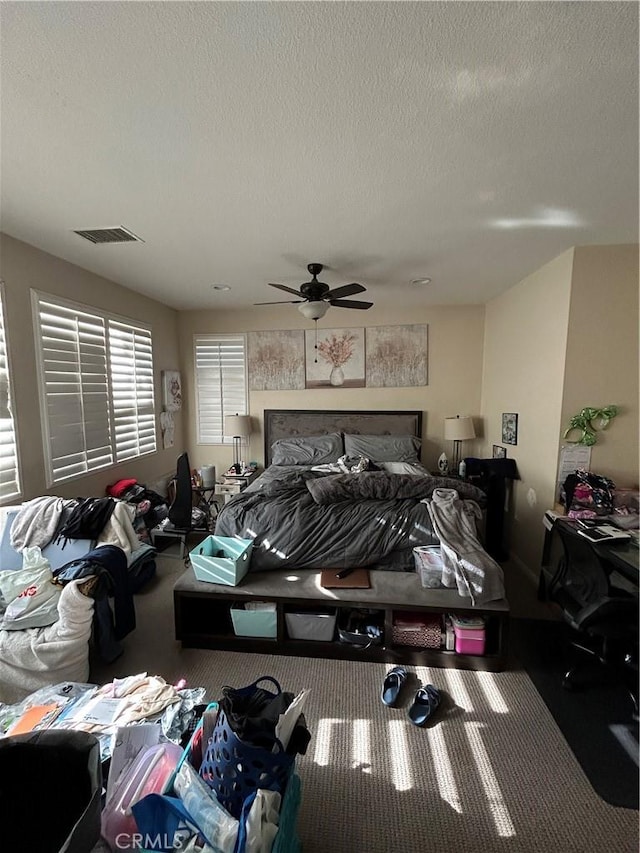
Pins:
x: 282, y: 423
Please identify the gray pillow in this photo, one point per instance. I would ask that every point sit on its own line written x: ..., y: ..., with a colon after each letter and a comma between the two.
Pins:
x: 383, y: 448
x: 307, y: 449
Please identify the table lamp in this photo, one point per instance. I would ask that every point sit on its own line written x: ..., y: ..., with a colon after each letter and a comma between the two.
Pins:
x: 239, y: 426
x: 457, y: 430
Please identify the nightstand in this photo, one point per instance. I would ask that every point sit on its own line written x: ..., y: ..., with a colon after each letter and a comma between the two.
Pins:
x: 233, y: 485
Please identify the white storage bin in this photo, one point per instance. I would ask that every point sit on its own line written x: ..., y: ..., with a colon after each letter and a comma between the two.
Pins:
x: 315, y: 625
x: 429, y: 565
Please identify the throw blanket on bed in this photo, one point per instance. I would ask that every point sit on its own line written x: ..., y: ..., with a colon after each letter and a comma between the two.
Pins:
x: 382, y: 486
x: 466, y: 564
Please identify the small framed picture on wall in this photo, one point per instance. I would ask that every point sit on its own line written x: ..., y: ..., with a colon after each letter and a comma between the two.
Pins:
x: 499, y: 452
x: 509, y: 428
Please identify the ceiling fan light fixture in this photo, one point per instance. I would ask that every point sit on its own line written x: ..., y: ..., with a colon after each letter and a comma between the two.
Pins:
x: 313, y: 310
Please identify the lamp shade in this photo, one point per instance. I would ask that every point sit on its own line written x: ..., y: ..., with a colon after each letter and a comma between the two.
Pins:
x: 459, y: 428
x: 314, y: 310
x: 237, y: 425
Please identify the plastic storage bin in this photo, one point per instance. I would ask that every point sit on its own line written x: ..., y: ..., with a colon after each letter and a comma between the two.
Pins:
x: 255, y: 623
x: 470, y: 635
x: 429, y: 565
x: 221, y: 559
x: 315, y: 625
x: 148, y: 774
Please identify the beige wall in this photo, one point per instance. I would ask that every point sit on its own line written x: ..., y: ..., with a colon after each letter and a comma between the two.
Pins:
x: 455, y: 371
x: 524, y: 364
x: 24, y: 267
x: 602, y: 354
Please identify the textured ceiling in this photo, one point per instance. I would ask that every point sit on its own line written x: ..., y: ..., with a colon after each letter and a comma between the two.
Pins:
x: 467, y: 142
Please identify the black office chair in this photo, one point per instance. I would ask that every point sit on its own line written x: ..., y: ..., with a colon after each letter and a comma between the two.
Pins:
x: 181, y: 513
x: 606, y: 617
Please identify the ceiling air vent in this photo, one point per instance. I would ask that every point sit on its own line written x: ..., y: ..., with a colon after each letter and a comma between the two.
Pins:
x: 109, y: 235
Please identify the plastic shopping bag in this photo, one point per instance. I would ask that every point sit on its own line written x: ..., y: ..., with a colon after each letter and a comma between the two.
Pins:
x: 30, y: 594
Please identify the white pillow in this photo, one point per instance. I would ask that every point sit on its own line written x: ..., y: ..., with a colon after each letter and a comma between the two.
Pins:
x: 404, y: 468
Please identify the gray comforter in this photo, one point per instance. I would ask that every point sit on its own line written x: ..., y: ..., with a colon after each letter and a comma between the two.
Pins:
x: 300, y: 518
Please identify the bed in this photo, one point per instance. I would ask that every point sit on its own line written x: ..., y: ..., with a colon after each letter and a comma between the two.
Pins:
x: 303, y: 517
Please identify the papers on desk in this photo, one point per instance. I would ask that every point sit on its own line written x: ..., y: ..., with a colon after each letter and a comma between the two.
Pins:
x: 604, y: 533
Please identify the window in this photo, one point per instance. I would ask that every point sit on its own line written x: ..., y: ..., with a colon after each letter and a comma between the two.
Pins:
x: 9, y: 477
x: 96, y: 374
x: 221, y: 384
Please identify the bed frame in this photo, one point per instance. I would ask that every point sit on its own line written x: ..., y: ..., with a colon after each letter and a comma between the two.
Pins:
x: 284, y: 423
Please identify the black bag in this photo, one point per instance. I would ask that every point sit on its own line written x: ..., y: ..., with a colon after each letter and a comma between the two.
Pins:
x: 362, y: 627
x: 50, y: 785
x: 88, y: 518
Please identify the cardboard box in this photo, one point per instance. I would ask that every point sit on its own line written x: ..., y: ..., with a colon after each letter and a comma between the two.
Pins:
x: 221, y: 559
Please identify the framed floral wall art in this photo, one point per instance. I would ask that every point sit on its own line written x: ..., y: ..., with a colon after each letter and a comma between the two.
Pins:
x: 276, y: 360
x: 337, y: 361
x: 397, y: 356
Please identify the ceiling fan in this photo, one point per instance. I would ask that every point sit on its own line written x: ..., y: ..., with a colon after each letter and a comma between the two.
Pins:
x: 316, y: 296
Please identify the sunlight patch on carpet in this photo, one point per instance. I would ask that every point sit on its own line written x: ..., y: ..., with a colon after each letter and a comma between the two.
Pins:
x: 361, y: 746
x: 492, y: 693
x: 499, y: 812
x: 444, y: 771
x: 401, y: 776
x: 458, y: 690
x: 324, y: 733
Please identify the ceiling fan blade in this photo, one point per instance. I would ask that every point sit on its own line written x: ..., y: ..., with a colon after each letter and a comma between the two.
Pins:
x: 283, y: 302
x: 350, y: 303
x: 284, y: 287
x: 345, y: 290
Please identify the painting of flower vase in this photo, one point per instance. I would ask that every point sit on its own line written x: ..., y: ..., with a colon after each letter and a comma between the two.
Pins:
x: 335, y: 359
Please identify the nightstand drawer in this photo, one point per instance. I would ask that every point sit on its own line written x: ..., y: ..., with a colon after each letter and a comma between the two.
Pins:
x: 230, y: 488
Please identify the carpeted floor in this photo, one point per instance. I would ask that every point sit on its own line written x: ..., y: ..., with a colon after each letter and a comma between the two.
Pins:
x: 492, y: 773
x: 596, y: 721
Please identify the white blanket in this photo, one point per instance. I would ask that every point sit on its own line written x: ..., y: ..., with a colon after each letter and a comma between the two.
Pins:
x: 119, y: 529
x: 33, y: 657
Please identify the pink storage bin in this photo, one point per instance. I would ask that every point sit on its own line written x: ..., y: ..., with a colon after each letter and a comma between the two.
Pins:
x: 148, y: 774
x: 469, y: 641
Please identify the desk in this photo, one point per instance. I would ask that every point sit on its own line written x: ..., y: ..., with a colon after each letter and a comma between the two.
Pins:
x: 621, y: 557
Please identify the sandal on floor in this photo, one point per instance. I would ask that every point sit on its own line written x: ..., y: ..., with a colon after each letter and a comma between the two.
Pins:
x: 392, y: 684
x: 425, y: 703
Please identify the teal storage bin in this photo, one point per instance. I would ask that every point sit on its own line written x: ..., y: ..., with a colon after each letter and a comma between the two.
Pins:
x: 211, y: 567
x: 255, y: 623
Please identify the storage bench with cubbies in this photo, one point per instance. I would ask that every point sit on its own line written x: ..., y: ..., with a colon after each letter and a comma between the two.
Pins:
x: 203, y: 617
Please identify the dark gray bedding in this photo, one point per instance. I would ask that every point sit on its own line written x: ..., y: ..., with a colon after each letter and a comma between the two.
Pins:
x: 300, y: 518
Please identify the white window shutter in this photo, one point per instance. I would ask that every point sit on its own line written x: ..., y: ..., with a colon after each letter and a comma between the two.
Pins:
x: 97, y: 388
x: 221, y: 384
x: 9, y: 477
x: 75, y: 382
x: 131, y: 363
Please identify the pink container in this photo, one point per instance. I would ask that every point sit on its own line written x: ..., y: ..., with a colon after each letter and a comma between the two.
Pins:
x: 469, y: 641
